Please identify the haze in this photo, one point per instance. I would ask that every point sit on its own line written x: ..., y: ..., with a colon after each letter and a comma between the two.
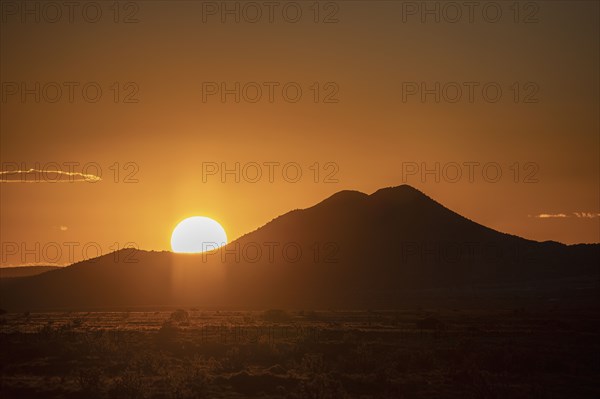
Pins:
x: 361, y: 132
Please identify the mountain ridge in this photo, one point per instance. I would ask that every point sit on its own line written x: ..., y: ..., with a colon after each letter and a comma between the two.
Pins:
x: 352, y: 249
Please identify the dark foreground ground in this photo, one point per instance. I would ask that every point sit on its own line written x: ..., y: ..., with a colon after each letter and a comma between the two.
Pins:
x: 511, y: 353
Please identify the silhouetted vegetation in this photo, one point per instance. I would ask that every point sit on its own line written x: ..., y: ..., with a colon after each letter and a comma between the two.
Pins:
x: 396, y: 354
x: 276, y: 315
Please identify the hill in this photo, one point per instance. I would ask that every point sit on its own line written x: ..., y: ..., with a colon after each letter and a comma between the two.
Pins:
x: 350, y: 250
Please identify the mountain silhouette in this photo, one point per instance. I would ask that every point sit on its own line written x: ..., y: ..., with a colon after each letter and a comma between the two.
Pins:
x: 24, y: 271
x: 351, y: 250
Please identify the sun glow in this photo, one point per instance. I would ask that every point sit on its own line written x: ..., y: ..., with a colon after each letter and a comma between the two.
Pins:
x: 197, y: 234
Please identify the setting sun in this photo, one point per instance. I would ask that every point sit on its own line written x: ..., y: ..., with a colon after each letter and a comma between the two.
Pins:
x: 197, y: 234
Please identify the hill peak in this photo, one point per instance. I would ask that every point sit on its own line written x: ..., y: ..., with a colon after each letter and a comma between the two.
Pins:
x: 401, y: 189
x: 343, y: 197
x: 402, y: 194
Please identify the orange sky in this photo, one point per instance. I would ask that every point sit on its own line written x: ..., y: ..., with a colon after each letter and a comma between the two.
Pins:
x: 371, y: 129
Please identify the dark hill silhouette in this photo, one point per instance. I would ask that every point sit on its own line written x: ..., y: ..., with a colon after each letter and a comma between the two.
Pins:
x: 24, y: 271
x: 350, y: 250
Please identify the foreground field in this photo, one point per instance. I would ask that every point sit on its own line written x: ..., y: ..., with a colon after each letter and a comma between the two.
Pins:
x: 513, y: 353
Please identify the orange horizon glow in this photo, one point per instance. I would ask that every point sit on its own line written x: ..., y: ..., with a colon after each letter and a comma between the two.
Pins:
x: 129, y: 170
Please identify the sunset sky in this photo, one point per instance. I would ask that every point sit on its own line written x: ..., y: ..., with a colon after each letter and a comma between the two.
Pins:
x: 163, y: 119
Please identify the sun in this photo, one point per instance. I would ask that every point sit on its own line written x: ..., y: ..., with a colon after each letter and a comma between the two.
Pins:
x: 197, y: 234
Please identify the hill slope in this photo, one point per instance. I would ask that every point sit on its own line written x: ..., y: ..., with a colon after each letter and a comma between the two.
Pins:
x: 24, y: 271
x: 350, y: 250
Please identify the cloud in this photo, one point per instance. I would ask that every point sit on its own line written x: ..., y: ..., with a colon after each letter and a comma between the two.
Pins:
x: 587, y: 215
x: 27, y: 264
x: 550, y: 216
x: 579, y: 215
x: 46, y: 176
